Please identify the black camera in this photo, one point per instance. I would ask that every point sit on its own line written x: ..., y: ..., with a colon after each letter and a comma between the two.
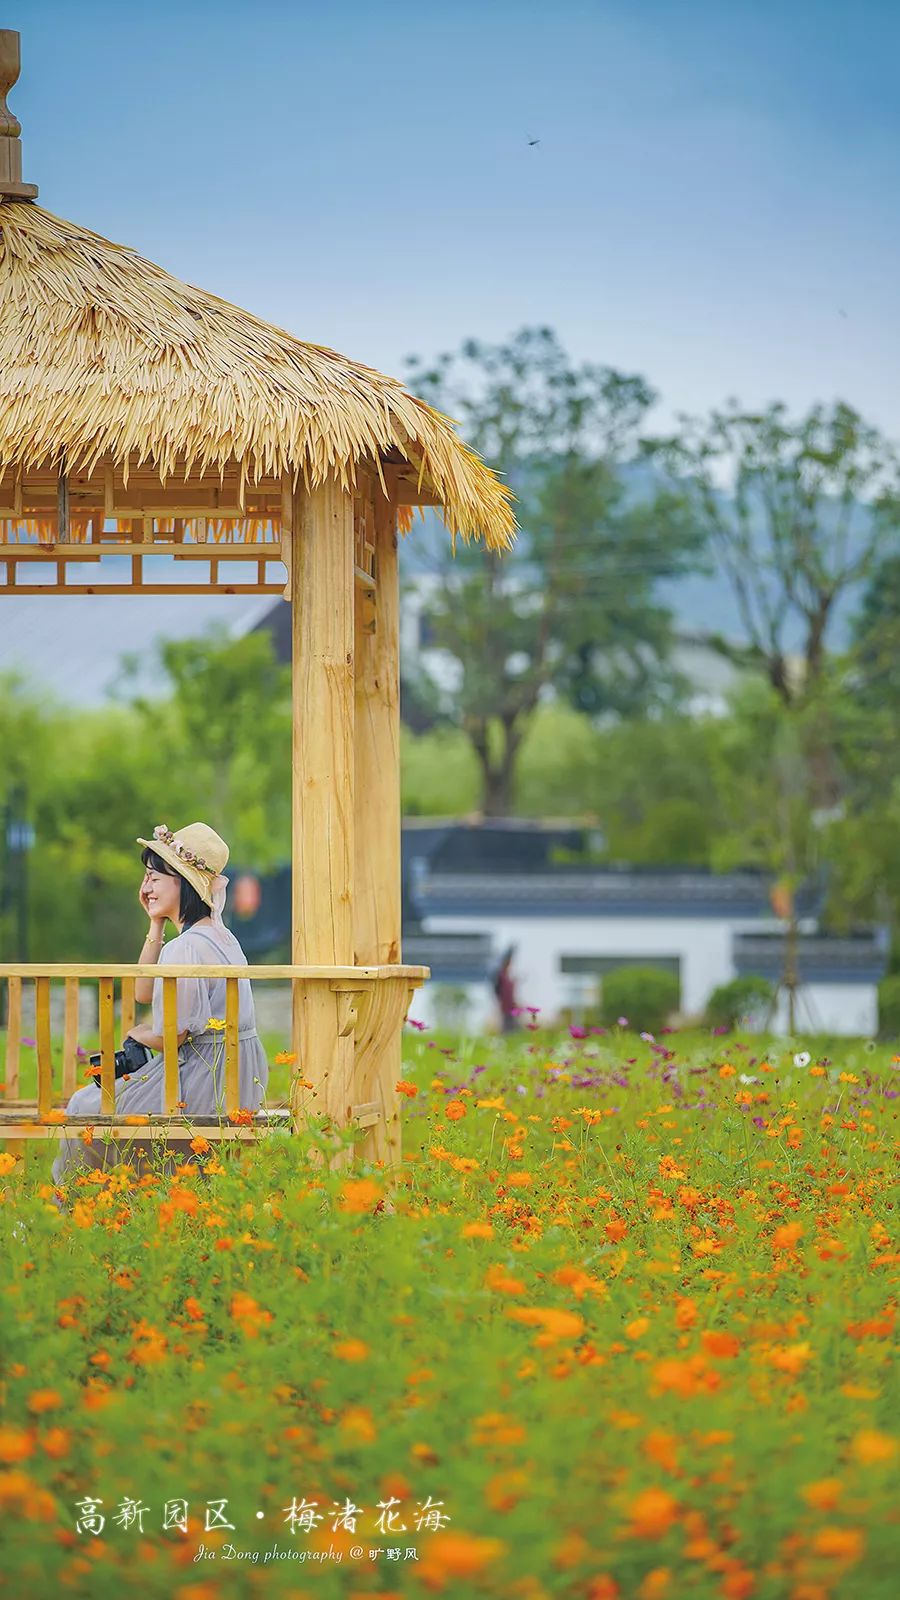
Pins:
x: 130, y: 1058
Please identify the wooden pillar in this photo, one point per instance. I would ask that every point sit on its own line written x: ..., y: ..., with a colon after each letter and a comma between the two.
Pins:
x: 377, y: 897
x: 322, y: 786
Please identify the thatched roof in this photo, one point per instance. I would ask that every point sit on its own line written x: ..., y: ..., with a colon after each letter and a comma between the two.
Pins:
x: 103, y: 354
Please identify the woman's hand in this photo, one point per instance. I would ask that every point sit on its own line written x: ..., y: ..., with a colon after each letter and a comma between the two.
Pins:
x: 157, y: 923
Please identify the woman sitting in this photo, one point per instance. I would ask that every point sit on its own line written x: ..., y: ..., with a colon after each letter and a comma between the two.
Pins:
x: 183, y: 884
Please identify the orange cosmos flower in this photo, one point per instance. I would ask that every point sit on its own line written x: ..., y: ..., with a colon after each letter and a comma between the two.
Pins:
x: 56, y: 1443
x: 409, y: 1089
x: 15, y: 1445
x: 447, y: 1555
x: 351, y: 1350
x: 44, y: 1400
x: 871, y: 1447
x: 359, y: 1194
x: 718, y: 1343
x: 454, y: 1109
x: 656, y: 1584
x: 556, y: 1324
x: 686, y: 1313
x: 823, y: 1495
x: 249, y: 1315
x: 840, y: 1544
x: 787, y: 1236
x: 652, y: 1514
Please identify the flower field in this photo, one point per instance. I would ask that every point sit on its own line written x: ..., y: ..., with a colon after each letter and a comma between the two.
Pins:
x: 622, y: 1327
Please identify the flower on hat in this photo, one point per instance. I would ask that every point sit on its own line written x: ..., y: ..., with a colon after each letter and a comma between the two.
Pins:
x: 166, y: 836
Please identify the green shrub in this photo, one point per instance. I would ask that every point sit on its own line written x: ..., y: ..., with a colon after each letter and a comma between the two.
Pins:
x: 889, y: 1006
x: 733, y: 1001
x: 645, y: 995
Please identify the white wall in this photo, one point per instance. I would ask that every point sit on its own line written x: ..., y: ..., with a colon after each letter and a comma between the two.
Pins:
x: 704, y: 946
x: 832, y: 1008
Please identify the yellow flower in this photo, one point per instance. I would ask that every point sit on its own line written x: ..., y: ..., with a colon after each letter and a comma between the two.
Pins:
x: 217, y: 1024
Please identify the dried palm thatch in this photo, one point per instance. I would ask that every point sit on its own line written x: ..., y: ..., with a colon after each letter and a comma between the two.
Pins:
x: 104, y: 354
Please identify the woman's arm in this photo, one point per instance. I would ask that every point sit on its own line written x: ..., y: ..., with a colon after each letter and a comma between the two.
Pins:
x: 143, y: 987
x: 143, y: 1032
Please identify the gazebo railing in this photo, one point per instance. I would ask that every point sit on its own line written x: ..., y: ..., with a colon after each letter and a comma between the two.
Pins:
x: 370, y: 1004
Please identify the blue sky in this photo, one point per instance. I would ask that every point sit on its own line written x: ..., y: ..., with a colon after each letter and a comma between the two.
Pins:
x: 713, y: 201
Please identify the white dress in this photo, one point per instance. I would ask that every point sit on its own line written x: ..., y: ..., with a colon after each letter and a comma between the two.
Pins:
x: 201, y: 1059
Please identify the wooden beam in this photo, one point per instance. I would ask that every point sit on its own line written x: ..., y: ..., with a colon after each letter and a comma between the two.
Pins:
x: 144, y: 588
x: 249, y: 550
x: 377, y: 872
x: 307, y: 972
x: 322, y: 790
x: 62, y: 504
x: 287, y: 531
x: 409, y: 495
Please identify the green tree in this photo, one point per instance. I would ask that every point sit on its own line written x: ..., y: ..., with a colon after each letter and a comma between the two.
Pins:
x: 225, y: 715
x: 796, y: 513
x: 571, y: 611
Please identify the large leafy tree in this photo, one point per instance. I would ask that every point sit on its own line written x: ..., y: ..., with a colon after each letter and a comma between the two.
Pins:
x: 797, y: 513
x: 571, y: 611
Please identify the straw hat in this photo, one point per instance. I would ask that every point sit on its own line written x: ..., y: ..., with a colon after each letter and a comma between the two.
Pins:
x: 196, y: 852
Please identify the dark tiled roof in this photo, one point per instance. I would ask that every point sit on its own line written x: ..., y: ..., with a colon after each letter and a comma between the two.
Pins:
x: 596, y: 891
x: 860, y: 958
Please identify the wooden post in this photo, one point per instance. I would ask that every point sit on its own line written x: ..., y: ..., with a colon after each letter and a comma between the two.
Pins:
x: 13, y: 1036
x: 170, y: 1046
x: 107, y: 1019
x: 232, y: 1058
x: 377, y: 898
x: 42, y: 1045
x: 70, y: 1040
x: 322, y: 589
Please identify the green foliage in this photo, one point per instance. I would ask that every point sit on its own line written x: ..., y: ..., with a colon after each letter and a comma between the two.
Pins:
x: 889, y: 1006
x: 618, y: 1284
x: 439, y: 773
x: 731, y: 1003
x: 647, y: 996
x: 812, y: 506
x: 214, y: 746
x: 573, y: 609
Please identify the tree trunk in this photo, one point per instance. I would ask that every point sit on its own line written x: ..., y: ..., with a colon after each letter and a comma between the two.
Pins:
x: 496, y: 776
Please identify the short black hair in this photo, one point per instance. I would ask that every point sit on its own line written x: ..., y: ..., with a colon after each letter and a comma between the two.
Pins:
x: 193, y: 907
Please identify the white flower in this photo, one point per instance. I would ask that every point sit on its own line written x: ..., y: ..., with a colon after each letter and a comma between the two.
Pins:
x: 802, y: 1059
x: 743, y: 1078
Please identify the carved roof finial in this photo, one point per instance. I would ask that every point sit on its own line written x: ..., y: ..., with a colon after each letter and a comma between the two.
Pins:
x: 10, y: 145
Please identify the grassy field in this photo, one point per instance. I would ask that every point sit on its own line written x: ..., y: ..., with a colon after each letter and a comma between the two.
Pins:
x: 622, y: 1327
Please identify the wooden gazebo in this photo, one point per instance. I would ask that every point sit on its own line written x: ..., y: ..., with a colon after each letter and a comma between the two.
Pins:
x: 143, y: 418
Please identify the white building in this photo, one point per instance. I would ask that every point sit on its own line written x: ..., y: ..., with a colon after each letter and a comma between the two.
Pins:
x: 572, y: 925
